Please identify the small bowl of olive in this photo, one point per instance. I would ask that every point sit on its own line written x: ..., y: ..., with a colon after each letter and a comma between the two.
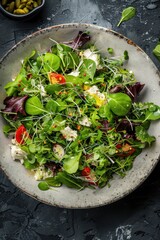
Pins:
x: 21, y: 9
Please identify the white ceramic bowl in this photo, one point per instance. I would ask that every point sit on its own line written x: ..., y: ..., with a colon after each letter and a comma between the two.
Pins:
x: 145, y: 72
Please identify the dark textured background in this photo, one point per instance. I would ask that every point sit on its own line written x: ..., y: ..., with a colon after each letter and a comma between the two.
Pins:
x: 137, y: 216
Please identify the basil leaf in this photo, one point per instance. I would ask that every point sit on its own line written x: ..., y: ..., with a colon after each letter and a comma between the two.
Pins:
x: 156, y: 51
x: 127, y: 14
x: 71, y: 163
x: 43, y: 186
x: 69, y: 180
x: 88, y: 69
x: 119, y: 103
x: 143, y: 135
x: 33, y: 106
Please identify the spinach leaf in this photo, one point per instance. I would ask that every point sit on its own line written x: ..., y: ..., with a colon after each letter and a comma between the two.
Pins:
x: 119, y: 103
x: 43, y: 186
x: 33, y: 106
x: 143, y: 135
x: 73, y: 80
x: 156, y: 51
x: 53, y: 181
x: 127, y: 14
x: 87, y: 69
x: 51, y: 106
x: 49, y: 61
x: 69, y: 180
x: 71, y: 163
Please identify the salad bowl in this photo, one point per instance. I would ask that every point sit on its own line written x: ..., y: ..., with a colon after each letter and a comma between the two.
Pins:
x: 145, y: 72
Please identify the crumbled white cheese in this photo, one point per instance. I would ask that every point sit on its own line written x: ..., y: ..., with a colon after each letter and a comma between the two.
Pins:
x: 42, y: 90
x: 88, y: 54
x: 85, y: 121
x: 69, y: 134
x: 17, y: 153
x: 42, y: 173
x: 74, y: 73
x: 58, y: 151
x: 97, y: 95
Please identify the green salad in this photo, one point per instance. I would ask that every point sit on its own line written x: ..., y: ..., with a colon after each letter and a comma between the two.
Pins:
x: 74, y: 115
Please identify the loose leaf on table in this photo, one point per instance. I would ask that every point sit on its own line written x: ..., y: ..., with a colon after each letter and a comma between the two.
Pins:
x: 33, y: 106
x: 127, y: 14
x: 119, y: 103
x: 156, y: 51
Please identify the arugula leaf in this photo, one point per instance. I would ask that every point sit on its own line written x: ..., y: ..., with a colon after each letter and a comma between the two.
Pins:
x: 87, y: 69
x: 143, y: 135
x: 127, y: 14
x: 119, y: 103
x: 69, y: 180
x: 152, y: 115
x: 71, y: 163
x: 33, y: 106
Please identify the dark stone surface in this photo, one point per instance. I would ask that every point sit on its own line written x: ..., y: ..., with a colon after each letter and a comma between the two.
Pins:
x: 137, y: 216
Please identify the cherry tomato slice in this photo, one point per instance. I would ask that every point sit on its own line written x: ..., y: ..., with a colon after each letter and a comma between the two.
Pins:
x: 21, y: 134
x: 127, y: 150
x: 56, y: 78
x: 86, y: 171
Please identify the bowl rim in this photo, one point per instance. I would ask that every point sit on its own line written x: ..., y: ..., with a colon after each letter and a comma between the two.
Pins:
x: 21, y: 16
x: 79, y: 25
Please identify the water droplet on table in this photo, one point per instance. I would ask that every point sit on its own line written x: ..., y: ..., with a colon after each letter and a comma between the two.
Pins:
x: 151, y: 6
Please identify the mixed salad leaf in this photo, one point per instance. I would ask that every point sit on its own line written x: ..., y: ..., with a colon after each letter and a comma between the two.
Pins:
x: 75, y: 115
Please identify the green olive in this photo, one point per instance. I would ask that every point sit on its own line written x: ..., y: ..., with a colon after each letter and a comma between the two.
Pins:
x: 26, y: 10
x: 4, y: 2
x: 39, y: 2
x: 19, y: 11
x: 11, y: 7
x: 17, y: 2
x: 35, y: 4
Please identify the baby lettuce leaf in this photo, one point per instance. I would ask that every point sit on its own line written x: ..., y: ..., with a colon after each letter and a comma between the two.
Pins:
x: 33, y: 106
x: 73, y: 80
x: 119, y: 103
x: 127, y: 14
x: 69, y: 180
x: 81, y: 39
x: 71, y: 163
x: 143, y: 136
x: 15, y: 105
x: 88, y: 69
x: 134, y: 90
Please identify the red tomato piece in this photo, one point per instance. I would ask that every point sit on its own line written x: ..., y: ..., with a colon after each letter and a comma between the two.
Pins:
x: 21, y: 134
x: 86, y: 171
x: 56, y: 78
